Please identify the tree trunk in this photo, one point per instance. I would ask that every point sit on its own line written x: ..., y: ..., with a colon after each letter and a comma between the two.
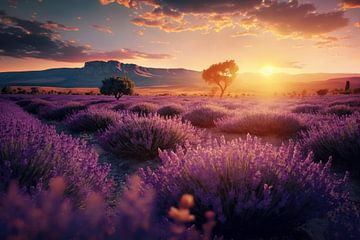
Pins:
x: 118, y: 95
x: 222, y: 93
x: 222, y: 89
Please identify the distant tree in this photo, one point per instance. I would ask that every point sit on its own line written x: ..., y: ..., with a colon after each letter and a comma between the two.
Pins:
x: 21, y: 90
x: 221, y: 74
x: 117, y: 86
x: 304, y: 93
x: 6, y: 90
x: 34, y: 90
x: 322, y: 92
x: 347, y: 87
x: 356, y: 91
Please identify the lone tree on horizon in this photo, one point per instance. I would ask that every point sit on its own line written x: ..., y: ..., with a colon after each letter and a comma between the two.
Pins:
x: 117, y: 86
x: 222, y: 74
x: 347, y: 87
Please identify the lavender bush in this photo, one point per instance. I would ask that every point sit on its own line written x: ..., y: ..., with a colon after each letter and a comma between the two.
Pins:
x: 91, y: 120
x: 37, y: 106
x: 255, y: 189
x: 307, y: 108
x: 141, y: 137
x: 339, y: 138
x: 122, y: 106
x: 340, y: 110
x: 205, y: 116
x: 143, y: 108
x: 61, y: 113
x: 32, y: 153
x: 171, y: 110
x: 262, y: 124
x: 23, y: 102
x: 352, y: 102
x: 95, y: 102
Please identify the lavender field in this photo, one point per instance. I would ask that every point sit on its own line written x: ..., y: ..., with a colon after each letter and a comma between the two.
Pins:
x: 166, y: 167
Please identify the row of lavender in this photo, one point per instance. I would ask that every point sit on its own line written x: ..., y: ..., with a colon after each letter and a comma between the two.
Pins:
x: 248, y: 184
x: 52, y: 187
x: 141, y: 136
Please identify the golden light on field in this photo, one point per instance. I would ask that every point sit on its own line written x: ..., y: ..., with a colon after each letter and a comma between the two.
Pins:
x: 267, y: 71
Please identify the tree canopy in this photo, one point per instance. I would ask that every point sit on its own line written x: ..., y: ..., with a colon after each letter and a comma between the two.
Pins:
x: 221, y: 74
x: 117, y: 86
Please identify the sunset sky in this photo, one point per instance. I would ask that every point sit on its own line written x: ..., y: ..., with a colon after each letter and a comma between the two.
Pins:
x: 260, y: 35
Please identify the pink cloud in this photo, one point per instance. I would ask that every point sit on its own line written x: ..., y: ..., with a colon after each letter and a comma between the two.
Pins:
x: 105, y: 29
x: 348, y: 4
x: 285, y: 18
x: 57, y: 26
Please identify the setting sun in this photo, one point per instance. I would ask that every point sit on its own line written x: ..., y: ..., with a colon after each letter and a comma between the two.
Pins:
x: 267, y: 70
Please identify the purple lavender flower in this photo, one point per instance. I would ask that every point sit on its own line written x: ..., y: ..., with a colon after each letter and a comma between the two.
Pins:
x: 60, y: 113
x: 255, y: 189
x: 262, y: 124
x: 307, y: 108
x: 170, y: 110
x: 32, y: 153
x: 92, y: 120
x: 144, y: 108
x: 142, y: 136
x: 338, y: 137
x: 205, y: 115
x: 340, y: 110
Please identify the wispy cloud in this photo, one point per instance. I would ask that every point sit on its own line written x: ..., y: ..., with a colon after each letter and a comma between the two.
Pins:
x: 104, y: 29
x: 348, y: 4
x: 57, y: 26
x: 328, y: 42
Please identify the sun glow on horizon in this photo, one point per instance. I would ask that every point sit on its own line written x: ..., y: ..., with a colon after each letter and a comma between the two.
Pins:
x: 267, y: 70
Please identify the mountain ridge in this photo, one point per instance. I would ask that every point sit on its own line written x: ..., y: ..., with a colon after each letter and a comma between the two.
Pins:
x: 93, y: 72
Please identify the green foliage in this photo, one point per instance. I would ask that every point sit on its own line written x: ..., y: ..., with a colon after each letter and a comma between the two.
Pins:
x: 117, y: 86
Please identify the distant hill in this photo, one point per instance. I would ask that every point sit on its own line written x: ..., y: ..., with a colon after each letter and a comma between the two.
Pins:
x: 283, y: 82
x: 94, y: 72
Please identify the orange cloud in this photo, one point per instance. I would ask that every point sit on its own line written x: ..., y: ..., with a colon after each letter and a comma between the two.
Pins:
x: 167, y: 26
x: 327, y: 42
x: 57, y: 26
x: 348, y: 4
x: 244, y: 34
x: 357, y: 24
x: 105, y: 29
x: 128, y: 3
x: 285, y: 18
x: 297, y: 20
x: 179, y: 16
